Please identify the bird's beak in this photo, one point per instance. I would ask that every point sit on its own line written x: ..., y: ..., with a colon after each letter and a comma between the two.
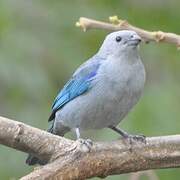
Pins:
x: 135, y: 40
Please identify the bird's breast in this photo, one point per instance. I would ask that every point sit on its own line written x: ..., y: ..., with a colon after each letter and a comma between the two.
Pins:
x: 116, y: 92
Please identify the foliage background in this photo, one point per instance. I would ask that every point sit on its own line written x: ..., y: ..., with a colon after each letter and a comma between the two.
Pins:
x: 40, y: 48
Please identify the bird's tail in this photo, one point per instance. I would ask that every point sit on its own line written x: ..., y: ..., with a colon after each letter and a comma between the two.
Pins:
x: 31, y: 159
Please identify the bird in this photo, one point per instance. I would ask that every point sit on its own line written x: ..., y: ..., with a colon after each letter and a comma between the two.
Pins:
x: 102, y: 91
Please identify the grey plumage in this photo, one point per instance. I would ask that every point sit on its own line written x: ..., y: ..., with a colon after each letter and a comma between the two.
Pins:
x: 102, y: 90
x: 116, y: 88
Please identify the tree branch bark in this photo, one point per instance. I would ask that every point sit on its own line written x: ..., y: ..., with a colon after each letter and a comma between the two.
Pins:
x: 118, y: 24
x: 69, y: 160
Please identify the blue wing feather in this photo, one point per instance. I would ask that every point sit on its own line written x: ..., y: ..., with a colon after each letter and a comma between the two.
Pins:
x: 77, y: 85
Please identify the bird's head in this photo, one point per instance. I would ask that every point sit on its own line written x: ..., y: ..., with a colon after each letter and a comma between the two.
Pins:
x: 119, y: 42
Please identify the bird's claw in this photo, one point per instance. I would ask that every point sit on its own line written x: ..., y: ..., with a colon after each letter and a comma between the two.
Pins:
x: 85, y: 144
x: 136, y: 138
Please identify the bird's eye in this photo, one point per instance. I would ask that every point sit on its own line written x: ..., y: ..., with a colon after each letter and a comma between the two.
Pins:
x: 118, y: 38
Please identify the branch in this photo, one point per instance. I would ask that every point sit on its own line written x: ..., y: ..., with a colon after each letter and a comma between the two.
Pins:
x: 28, y: 139
x: 118, y: 24
x: 68, y: 160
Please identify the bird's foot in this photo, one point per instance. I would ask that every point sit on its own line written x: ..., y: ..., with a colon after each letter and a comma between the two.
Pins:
x: 85, y: 144
x: 129, y: 137
x: 136, y: 138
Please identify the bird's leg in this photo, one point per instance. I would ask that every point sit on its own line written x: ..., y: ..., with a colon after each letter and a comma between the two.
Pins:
x: 130, y: 137
x: 84, y: 142
x: 77, y: 133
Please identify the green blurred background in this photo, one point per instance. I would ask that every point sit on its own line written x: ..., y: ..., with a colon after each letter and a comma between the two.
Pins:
x: 40, y: 47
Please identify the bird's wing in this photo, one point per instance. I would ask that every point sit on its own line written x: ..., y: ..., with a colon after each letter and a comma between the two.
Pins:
x: 76, y: 86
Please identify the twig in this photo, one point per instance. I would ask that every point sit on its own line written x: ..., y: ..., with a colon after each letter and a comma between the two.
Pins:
x: 118, y: 24
x: 70, y: 161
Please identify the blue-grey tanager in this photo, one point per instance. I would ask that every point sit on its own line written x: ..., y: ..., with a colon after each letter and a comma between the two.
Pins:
x: 102, y: 91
